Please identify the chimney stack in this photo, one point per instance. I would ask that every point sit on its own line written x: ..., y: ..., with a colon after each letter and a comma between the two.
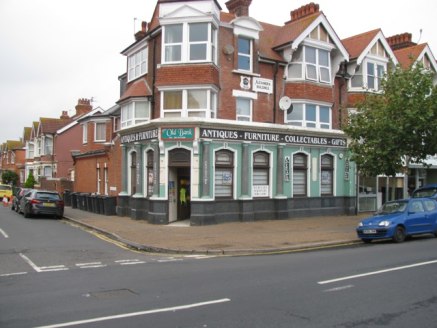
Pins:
x: 64, y: 115
x: 400, y: 41
x: 141, y: 34
x: 239, y: 7
x: 304, y: 11
x: 83, y: 107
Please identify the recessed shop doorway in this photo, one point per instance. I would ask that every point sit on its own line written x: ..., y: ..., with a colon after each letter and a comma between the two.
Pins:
x: 179, y: 184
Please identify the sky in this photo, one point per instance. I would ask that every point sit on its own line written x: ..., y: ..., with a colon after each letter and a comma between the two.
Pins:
x: 53, y: 52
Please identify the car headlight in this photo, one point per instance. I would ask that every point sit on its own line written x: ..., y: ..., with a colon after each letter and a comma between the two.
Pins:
x: 384, y: 223
x: 360, y: 224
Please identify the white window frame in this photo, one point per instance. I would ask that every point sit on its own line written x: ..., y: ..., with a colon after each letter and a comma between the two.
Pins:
x: 305, y: 122
x: 240, y: 116
x: 138, y: 64
x: 185, y: 44
x: 130, y: 116
x: 245, y: 55
x: 208, y: 112
x: 85, y: 133
x: 359, y: 82
x: 317, y: 66
x: 96, y: 134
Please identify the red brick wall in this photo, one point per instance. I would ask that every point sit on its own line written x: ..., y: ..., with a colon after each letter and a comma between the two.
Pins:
x: 64, y: 143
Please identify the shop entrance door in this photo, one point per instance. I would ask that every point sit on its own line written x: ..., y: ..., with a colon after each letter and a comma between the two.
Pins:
x: 179, y: 183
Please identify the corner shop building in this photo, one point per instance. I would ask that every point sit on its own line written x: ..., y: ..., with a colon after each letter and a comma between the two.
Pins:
x: 229, y: 172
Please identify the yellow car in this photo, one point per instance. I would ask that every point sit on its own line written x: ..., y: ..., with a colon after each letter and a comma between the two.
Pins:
x: 5, y: 190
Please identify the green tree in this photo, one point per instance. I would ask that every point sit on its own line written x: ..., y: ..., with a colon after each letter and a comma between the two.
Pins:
x: 30, y: 182
x: 397, y: 126
x: 10, y: 177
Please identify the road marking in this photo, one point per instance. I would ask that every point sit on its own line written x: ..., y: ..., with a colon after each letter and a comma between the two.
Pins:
x: 4, y: 233
x: 377, y: 272
x: 135, y: 314
x: 337, y: 289
x: 129, y: 262
x: 12, y: 274
x: 91, y: 265
x: 33, y: 265
x: 43, y: 269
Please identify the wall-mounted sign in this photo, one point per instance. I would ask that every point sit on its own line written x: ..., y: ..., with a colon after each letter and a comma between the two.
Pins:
x: 260, y: 191
x: 287, y: 168
x: 140, y: 136
x: 177, y: 133
x: 245, y: 83
x: 272, y: 137
x: 262, y: 85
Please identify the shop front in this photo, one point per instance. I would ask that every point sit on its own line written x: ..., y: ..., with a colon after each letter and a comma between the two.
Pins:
x: 211, y: 174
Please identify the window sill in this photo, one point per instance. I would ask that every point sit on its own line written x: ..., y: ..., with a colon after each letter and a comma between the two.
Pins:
x: 236, y: 71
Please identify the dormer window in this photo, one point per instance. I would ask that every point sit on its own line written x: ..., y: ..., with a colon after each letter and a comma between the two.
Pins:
x: 369, y: 75
x: 137, y: 64
x: 310, y: 63
x: 189, y: 42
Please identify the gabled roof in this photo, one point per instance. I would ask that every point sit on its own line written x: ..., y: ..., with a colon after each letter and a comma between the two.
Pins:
x: 359, y: 45
x: 14, y: 144
x: 356, y: 44
x: 26, y: 133
x: 51, y: 125
x: 75, y: 122
x: 292, y: 30
x: 409, y: 55
x: 296, y: 31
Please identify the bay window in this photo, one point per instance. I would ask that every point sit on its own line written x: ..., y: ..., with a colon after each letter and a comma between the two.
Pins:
x: 310, y: 63
x: 135, y: 113
x: 189, y: 103
x: 137, y: 64
x: 310, y: 116
x: 189, y: 42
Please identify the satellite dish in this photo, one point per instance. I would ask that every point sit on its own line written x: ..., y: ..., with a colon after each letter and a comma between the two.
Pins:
x: 285, y: 104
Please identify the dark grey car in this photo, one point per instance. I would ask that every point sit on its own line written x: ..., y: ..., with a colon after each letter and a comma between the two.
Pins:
x: 42, y: 202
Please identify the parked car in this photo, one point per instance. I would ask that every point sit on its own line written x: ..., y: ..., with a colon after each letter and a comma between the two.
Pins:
x: 16, y: 199
x: 42, y: 202
x: 5, y: 191
x: 426, y: 191
x: 400, y: 219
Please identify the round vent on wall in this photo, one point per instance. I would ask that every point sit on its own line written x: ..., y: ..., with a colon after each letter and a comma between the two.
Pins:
x: 228, y: 49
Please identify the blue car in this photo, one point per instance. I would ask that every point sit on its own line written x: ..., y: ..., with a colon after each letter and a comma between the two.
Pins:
x: 400, y: 219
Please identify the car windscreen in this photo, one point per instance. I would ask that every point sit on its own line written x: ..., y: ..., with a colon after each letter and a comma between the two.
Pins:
x: 47, y: 196
x: 392, y: 207
x: 424, y: 193
x: 5, y: 187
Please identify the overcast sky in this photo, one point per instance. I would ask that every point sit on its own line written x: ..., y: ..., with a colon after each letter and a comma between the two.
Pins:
x: 54, y: 52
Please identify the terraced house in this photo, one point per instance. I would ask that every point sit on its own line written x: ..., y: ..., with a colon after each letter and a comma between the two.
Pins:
x: 226, y: 118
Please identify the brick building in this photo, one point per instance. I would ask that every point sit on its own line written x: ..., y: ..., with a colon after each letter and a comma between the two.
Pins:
x: 371, y: 56
x: 225, y: 118
x: 97, y: 162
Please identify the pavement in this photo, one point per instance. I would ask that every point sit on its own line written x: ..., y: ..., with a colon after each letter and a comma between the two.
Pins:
x: 238, y: 238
